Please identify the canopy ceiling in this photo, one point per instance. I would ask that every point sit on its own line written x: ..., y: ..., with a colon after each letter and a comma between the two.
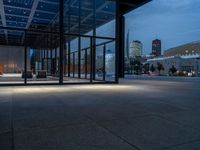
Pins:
x: 43, y: 15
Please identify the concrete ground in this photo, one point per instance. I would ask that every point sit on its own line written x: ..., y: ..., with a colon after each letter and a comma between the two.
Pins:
x: 134, y: 115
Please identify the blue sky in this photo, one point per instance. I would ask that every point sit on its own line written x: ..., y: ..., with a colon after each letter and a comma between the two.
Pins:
x: 174, y: 22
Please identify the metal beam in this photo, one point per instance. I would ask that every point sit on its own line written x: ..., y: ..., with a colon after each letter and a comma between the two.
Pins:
x: 126, y: 6
x: 34, y: 7
x: 3, y: 18
x: 29, y: 9
x: 127, y: 3
x: 50, y: 32
x: 48, y: 2
x: 26, y: 17
x: 30, y: 18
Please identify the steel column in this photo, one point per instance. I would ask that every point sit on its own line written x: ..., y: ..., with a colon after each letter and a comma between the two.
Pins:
x: 79, y: 42
x: 121, y: 46
x: 61, y: 31
x: 104, y: 62
x: 86, y: 63
x: 117, y: 42
x: 25, y: 60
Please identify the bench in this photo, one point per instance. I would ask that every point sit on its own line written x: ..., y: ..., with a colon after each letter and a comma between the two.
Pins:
x: 29, y: 74
x: 41, y: 74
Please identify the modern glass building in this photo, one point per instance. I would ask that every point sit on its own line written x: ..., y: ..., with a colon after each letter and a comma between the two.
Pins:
x: 62, y: 41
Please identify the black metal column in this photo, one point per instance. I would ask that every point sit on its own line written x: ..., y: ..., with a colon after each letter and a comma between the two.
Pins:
x: 121, y: 46
x: 91, y: 60
x: 104, y: 62
x: 25, y: 60
x: 86, y: 62
x: 79, y: 57
x: 51, y: 49
x: 69, y: 59
x: 117, y: 44
x: 94, y: 42
x: 56, y: 56
x: 73, y: 64
x: 61, y: 29
x: 79, y: 42
x: 64, y: 58
x: 47, y: 53
x: 69, y: 42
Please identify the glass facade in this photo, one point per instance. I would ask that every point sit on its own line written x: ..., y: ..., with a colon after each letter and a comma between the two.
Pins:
x: 57, y: 41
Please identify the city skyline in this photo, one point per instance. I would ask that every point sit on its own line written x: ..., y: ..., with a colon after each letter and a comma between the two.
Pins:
x: 161, y: 20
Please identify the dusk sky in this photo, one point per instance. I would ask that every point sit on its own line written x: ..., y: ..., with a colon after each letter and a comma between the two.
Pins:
x: 174, y: 22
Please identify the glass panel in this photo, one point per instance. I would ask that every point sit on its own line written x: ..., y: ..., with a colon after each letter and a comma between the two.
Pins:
x: 87, y: 17
x: 11, y: 57
x: 99, y: 62
x: 72, y: 68
x: 71, y: 16
x: 78, y: 52
x: 79, y: 16
x: 42, y: 57
x: 76, y: 63
x: 105, y: 18
x: 110, y: 61
x: 105, y: 60
x: 85, y: 57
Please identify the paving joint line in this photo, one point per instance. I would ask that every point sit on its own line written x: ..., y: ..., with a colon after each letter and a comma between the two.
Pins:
x: 12, y: 123
x: 175, y: 122
x: 184, y: 143
x: 121, y: 138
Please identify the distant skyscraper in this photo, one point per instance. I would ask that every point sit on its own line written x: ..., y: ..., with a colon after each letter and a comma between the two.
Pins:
x: 135, y: 49
x: 156, y: 47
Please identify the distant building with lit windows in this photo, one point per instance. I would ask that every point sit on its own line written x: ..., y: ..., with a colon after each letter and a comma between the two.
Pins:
x: 184, y: 63
x: 135, y: 49
x: 156, y: 47
x: 185, y: 49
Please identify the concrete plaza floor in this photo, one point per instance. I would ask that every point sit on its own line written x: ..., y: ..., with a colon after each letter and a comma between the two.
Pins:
x: 133, y: 115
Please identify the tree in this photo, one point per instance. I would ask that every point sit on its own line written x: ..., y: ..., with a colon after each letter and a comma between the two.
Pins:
x: 173, y: 69
x: 136, y: 65
x: 160, y: 67
x: 146, y: 68
x: 152, y: 68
